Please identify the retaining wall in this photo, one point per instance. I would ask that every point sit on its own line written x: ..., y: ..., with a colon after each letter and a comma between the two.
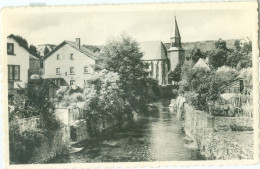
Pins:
x: 214, y: 137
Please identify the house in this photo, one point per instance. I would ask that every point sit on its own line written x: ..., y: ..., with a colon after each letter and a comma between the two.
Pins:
x: 19, y: 60
x: 163, y: 57
x: 69, y: 63
x: 201, y: 64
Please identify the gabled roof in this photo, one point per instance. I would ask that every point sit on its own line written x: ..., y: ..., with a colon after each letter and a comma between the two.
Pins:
x: 26, y: 48
x: 153, y: 50
x: 82, y: 49
x: 201, y: 64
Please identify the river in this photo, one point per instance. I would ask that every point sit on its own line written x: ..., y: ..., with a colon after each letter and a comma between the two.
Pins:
x: 154, y: 137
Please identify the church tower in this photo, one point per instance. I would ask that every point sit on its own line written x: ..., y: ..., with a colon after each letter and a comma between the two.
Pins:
x: 176, y: 54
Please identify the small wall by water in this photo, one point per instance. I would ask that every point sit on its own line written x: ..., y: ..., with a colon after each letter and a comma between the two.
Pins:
x: 214, y: 136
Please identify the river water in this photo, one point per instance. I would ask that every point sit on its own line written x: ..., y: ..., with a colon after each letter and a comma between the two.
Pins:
x: 154, y: 137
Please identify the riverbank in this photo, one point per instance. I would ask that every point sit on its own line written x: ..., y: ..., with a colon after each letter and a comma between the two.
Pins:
x: 217, y: 138
x: 152, y: 136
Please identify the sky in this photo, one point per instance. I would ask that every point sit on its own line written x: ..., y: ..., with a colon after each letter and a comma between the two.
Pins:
x: 96, y: 27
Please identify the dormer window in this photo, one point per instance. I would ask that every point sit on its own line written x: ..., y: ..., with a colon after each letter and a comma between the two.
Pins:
x: 85, y: 69
x: 58, y: 57
x: 10, y: 48
x: 71, y: 56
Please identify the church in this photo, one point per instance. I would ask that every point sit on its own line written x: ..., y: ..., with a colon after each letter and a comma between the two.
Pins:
x: 163, y: 58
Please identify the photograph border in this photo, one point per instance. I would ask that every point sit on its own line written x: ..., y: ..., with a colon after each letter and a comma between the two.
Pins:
x: 136, y: 7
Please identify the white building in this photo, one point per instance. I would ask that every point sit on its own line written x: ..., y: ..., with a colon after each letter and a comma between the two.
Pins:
x: 18, y: 62
x: 69, y: 63
x: 163, y: 57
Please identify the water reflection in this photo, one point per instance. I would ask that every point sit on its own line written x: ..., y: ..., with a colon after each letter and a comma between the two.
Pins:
x: 154, y: 137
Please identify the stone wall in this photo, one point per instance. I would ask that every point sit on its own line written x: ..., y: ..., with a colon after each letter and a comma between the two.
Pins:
x: 50, y: 148
x: 213, y: 135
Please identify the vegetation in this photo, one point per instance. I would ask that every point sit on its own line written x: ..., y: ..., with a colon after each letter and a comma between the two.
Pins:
x: 176, y: 74
x: 103, y: 95
x: 23, y: 42
x: 123, y: 56
x: 201, y: 86
x: 31, y: 104
x: 46, y: 51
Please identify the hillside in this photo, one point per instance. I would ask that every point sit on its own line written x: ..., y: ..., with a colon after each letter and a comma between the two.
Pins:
x: 188, y: 46
x: 40, y: 48
x: 203, y: 45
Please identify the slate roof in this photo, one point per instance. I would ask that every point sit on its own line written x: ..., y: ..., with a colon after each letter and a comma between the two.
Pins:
x: 82, y: 49
x: 153, y: 50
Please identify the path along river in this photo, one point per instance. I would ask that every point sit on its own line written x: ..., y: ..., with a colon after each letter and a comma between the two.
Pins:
x: 157, y: 137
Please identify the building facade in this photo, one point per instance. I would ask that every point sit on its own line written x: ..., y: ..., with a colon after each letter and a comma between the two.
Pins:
x: 163, y: 57
x: 18, y: 62
x: 69, y: 63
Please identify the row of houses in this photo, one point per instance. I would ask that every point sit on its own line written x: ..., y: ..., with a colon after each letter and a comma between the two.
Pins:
x: 70, y: 62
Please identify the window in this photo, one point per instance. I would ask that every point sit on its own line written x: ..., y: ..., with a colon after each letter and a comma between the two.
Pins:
x: 58, y: 57
x: 71, y: 70
x: 72, y: 82
x: 71, y: 56
x: 10, y: 48
x: 13, y: 72
x: 58, y: 71
x: 85, y: 69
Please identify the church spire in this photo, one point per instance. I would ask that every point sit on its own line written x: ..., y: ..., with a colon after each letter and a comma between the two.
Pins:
x: 176, y: 37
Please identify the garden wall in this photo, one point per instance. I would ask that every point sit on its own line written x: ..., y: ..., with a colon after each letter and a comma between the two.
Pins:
x: 214, y: 137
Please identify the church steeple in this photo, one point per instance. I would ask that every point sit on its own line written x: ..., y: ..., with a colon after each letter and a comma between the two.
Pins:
x: 175, y: 37
x: 175, y: 54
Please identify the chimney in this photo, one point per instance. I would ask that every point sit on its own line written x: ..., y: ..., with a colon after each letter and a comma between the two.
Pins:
x: 78, y: 43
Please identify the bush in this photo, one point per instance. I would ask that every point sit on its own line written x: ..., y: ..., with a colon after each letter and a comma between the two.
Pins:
x: 169, y: 91
x: 103, y: 95
x: 23, y: 144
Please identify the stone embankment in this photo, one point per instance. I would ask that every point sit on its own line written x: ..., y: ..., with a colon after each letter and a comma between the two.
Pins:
x: 215, y: 137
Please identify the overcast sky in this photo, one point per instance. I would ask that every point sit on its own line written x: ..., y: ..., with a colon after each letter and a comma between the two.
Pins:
x: 95, y: 28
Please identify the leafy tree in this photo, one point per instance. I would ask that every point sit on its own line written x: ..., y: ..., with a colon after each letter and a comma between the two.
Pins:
x: 237, y: 45
x: 196, y: 55
x: 218, y: 58
x: 123, y: 56
x: 221, y: 44
x: 233, y: 59
x: 33, y: 50
x: 46, y: 51
x: 247, y: 48
x: 176, y: 74
x: 103, y: 95
x: 35, y: 102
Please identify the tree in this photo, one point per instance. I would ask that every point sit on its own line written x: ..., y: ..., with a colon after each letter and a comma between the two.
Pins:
x: 237, y: 45
x: 233, y: 59
x: 221, y: 44
x: 176, y: 74
x: 218, y: 58
x: 103, y: 95
x: 33, y: 50
x: 196, y: 55
x: 46, y: 51
x: 123, y: 56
